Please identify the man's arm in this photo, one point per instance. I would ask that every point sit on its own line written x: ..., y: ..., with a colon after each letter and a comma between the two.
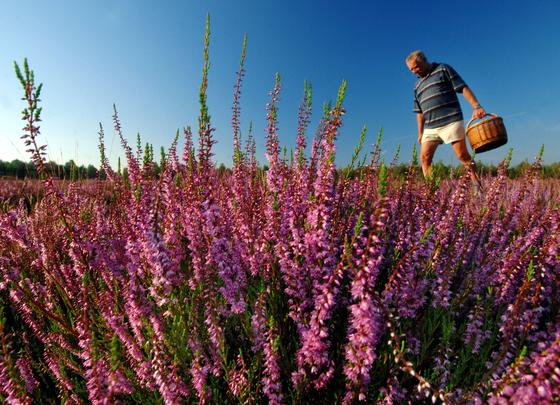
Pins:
x: 478, y: 111
x: 420, y: 119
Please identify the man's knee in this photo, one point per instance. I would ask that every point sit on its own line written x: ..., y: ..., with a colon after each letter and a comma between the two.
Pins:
x: 426, y: 155
x: 426, y: 158
x: 462, y: 152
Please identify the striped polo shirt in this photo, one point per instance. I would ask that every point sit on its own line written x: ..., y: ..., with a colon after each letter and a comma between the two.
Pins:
x: 435, y: 96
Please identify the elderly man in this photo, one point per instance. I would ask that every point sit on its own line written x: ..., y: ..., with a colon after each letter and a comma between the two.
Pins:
x: 437, y: 108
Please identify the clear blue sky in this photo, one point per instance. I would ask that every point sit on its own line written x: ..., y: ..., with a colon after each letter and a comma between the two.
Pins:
x: 146, y: 57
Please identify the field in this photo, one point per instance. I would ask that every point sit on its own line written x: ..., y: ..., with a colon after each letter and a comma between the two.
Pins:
x: 300, y: 283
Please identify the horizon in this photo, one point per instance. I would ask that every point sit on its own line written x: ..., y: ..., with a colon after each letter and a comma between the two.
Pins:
x: 148, y: 60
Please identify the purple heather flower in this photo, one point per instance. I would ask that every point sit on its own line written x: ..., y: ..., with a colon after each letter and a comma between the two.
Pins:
x: 25, y: 370
x: 272, y: 386
x: 366, y: 325
x: 536, y: 381
x: 237, y: 378
x: 9, y: 387
x: 199, y: 371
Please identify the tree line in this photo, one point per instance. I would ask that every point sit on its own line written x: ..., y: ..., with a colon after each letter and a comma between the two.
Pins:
x: 71, y: 171
x: 548, y: 171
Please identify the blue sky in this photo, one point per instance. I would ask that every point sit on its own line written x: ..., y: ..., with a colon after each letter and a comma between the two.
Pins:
x: 146, y: 57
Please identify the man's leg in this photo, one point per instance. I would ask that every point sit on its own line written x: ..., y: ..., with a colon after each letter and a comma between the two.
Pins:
x: 460, y: 148
x: 427, y: 151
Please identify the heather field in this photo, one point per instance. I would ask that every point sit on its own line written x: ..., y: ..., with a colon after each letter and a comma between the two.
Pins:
x: 295, y: 283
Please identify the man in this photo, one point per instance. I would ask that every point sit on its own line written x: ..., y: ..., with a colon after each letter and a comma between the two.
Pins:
x: 439, y: 115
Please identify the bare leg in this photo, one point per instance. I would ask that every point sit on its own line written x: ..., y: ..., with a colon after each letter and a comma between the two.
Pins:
x: 427, y: 150
x: 460, y: 148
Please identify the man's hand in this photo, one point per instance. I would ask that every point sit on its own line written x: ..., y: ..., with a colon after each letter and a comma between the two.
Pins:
x: 420, y: 139
x: 478, y: 112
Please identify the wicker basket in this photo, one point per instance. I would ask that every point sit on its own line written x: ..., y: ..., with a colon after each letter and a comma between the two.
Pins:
x: 487, y: 134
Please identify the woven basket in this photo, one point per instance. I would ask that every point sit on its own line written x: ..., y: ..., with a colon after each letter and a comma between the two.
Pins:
x: 487, y: 134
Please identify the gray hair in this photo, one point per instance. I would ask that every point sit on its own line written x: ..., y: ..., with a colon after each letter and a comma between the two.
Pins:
x: 417, y: 55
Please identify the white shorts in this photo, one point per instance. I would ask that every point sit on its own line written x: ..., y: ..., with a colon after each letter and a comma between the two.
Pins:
x: 447, y: 134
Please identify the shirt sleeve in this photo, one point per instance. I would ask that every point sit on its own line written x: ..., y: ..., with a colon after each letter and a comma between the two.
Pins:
x: 416, y: 105
x: 456, y: 81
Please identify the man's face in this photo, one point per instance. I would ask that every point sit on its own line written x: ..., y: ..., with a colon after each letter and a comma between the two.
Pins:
x: 418, y: 67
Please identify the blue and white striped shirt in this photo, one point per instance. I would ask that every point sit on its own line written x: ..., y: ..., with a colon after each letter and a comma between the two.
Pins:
x: 435, y: 96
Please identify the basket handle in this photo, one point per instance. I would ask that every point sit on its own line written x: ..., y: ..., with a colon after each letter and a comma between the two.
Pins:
x: 473, y: 118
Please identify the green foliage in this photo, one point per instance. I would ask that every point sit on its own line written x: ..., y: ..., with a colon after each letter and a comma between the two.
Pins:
x: 308, y: 93
x: 379, y: 138
x: 541, y: 153
x: 530, y: 271
x: 509, y: 155
x: 382, y: 182
x: 204, y: 119
x: 163, y: 158
x: 326, y: 109
x: 273, y: 107
x: 147, y: 156
x: 341, y: 93
x: 396, y: 155
x: 356, y: 153
x: 414, y: 156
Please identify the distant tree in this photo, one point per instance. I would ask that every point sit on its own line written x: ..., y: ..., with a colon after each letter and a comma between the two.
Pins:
x: 69, y: 169
x: 17, y: 168
x: 55, y: 169
x: 91, y: 172
x: 552, y: 170
x: 221, y: 170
